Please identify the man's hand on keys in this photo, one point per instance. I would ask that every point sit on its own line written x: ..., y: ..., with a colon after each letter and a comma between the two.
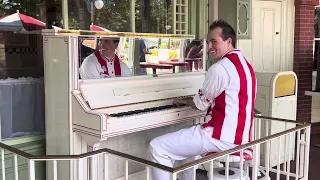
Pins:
x: 182, y: 101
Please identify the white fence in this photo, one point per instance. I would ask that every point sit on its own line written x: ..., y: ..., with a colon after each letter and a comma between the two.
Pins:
x: 289, y: 148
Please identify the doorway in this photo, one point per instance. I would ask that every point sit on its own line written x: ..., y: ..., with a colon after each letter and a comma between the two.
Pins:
x: 267, y: 35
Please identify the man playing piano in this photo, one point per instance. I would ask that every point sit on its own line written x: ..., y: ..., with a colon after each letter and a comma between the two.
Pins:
x: 104, y: 62
x: 228, y: 91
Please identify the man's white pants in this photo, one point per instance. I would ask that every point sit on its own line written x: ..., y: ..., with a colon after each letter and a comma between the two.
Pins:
x: 183, y: 145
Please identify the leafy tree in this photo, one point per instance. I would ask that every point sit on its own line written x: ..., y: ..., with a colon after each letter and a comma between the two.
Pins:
x: 30, y: 8
x: 26, y: 7
x: 153, y: 17
x: 150, y: 15
x: 161, y: 14
x: 114, y: 16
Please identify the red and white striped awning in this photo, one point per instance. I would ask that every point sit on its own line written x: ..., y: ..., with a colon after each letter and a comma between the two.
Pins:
x: 93, y: 42
x: 19, y: 22
x: 98, y: 28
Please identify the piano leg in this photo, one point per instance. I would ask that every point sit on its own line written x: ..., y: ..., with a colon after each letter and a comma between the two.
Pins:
x: 91, y: 167
x: 95, y: 167
x: 99, y: 161
x: 96, y: 146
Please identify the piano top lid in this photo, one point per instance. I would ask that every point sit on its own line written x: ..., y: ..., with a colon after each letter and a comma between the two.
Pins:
x: 64, y: 32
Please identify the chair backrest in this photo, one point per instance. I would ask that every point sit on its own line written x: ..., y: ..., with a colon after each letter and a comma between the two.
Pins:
x: 84, y: 52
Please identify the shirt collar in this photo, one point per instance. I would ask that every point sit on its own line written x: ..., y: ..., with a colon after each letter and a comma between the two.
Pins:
x: 108, y: 59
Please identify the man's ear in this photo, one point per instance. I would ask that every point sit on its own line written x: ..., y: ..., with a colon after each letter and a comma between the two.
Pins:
x: 230, y: 41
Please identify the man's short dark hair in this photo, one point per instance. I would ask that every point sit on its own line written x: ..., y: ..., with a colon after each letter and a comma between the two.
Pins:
x: 115, y: 40
x: 227, y: 30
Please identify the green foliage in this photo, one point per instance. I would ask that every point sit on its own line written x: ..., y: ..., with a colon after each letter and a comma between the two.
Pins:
x: 30, y: 8
x: 175, y: 44
x: 160, y: 16
x: 72, y: 20
x: 74, y: 7
x: 27, y: 7
x: 73, y: 24
x: 114, y: 17
x: 126, y: 44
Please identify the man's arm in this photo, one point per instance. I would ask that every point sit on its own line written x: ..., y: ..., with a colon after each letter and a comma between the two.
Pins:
x: 144, y: 47
x: 125, y: 71
x: 88, y: 69
x: 216, y: 81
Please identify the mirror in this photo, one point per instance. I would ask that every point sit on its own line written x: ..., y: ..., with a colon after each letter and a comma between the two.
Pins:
x: 110, y: 57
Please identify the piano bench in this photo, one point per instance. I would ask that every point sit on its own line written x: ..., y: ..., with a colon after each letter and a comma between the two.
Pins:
x: 234, y: 165
x: 235, y: 157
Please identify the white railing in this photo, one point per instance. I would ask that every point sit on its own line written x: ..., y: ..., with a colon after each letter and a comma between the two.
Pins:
x: 278, y: 148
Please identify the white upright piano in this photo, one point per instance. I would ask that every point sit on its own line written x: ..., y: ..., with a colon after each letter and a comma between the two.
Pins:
x: 122, y: 113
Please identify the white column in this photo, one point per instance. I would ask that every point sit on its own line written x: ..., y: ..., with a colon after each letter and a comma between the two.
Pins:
x: 174, y: 20
x: 132, y: 16
x: 65, y: 18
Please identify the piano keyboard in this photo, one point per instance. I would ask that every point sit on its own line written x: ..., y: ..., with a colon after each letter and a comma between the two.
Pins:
x: 171, y: 107
x: 143, y: 119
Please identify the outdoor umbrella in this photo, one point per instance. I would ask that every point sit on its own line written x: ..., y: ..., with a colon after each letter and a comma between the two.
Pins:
x: 18, y: 22
x: 98, y: 28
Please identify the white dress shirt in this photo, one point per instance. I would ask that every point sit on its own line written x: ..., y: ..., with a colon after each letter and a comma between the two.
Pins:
x: 215, y: 82
x: 91, y: 68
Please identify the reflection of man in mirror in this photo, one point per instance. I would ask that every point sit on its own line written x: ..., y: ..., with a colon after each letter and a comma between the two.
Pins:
x: 104, y: 62
x: 143, y: 52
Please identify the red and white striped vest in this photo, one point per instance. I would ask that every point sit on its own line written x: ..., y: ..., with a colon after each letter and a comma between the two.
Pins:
x: 233, y: 110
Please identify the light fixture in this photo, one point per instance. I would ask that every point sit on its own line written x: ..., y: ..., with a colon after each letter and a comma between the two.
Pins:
x: 98, y: 4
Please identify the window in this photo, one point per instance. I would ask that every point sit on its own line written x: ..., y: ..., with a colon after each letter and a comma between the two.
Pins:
x: 162, y: 16
x: 244, y: 19
x: 114, y: 15
x: 181, y: 17
x: 154, y: 16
